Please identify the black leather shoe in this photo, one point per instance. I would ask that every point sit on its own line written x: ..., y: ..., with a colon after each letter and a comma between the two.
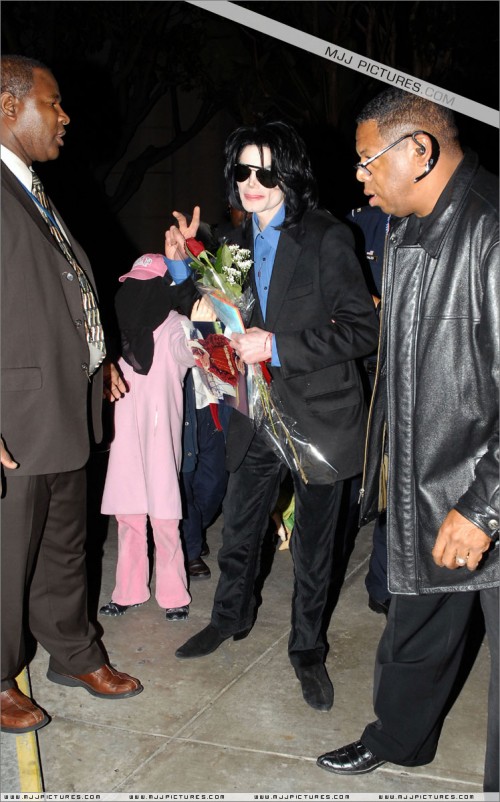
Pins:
x: 381, y: 607
x: 317, y: 688
x: 354, y: 758
x: 205, y: 642
x: 205, y: 550
x: 198, y: 569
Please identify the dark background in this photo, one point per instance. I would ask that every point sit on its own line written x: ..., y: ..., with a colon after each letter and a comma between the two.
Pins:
x: 115, y: 61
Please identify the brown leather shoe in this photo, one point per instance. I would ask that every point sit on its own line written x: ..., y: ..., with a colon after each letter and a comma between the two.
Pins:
x: 19, y: 714
x: 106, y: 682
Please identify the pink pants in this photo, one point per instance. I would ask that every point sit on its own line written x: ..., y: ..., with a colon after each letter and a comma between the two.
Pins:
x: 132, y: 569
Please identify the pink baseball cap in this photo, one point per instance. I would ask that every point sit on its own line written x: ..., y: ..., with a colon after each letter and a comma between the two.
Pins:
x: 150, y: 265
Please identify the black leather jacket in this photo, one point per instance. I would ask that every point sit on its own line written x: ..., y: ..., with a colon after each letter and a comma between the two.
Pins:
x: 435, y: 404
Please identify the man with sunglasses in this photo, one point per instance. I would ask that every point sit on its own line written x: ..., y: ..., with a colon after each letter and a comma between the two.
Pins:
x: 432, y: 447
x: 312, y: 319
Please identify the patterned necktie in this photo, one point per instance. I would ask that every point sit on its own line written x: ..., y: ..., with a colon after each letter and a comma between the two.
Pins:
x: 93, y: 327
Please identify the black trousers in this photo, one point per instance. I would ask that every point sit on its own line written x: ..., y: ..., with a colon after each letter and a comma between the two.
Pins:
x: 44, y: 581
x: 250, y: 499
x: 418, y: 659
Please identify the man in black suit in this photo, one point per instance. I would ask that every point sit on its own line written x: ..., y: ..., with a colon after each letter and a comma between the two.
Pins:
x: 312, y: 318
x: 52, y: 347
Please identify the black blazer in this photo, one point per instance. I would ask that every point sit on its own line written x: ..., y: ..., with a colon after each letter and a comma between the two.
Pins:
x: 323, y: 319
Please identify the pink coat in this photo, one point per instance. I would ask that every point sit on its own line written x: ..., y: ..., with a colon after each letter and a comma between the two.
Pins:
x: 146, y: 453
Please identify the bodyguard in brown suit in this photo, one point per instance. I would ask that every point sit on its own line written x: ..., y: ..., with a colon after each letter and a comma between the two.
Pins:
x: 52, y: 347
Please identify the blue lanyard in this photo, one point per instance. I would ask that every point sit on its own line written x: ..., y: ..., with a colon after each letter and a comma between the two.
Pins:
x: 42, y: 208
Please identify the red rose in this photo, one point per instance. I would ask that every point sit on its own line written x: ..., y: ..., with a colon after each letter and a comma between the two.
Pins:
x: 194, y: 246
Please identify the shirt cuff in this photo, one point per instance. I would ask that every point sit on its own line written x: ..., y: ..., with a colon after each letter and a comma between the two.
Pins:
x: 275, y: 360
x: 178, y: 269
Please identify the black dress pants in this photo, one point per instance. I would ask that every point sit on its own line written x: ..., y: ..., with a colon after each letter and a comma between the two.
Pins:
x: 250, y: 499
x: 417, y: 662
x: 44, y: 581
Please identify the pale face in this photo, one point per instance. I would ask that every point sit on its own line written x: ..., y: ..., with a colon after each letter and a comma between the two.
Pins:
x: 254, y: 197
x: 40, y: 120
x: 390, y: 184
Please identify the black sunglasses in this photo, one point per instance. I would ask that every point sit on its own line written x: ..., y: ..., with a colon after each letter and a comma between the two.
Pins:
x: 267, y: 178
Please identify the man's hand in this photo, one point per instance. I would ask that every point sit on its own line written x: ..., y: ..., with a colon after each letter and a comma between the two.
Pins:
x: 114, y: 386
x: 188, y: 231
x: 459, y: 543
x: 175, y: 237
x: 5, y: 458
x: 203, y: 310
x: 254, y: 346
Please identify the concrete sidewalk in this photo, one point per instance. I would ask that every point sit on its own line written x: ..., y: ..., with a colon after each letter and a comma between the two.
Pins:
x: 235, y: 721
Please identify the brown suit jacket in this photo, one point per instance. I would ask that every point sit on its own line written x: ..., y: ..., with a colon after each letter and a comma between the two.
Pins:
x: 46, y: 395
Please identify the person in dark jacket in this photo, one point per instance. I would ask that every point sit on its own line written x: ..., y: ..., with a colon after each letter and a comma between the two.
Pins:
x: 432, y: 446
x: 313, y: 317
x: 371, y: 226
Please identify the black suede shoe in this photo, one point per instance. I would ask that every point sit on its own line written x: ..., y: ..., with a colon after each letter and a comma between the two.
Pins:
x: 354, y: 758
x: 317, y: 688
x: 205, y: 642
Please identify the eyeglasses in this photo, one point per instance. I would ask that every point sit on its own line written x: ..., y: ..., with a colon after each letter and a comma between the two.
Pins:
x: 267, y: 178
x: 363, y: 165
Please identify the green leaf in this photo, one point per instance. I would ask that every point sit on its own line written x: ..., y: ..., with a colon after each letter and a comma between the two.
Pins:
x: 226, y: 256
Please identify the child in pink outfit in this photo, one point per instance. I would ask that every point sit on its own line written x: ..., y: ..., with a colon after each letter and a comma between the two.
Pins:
x: 143, y: 471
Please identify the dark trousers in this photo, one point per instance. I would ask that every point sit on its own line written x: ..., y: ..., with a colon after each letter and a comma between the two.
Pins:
x: 204, y: 488
x: 418, y: 660
x: 44, y: 581
x: 250, y: 499
x: 376, y: 578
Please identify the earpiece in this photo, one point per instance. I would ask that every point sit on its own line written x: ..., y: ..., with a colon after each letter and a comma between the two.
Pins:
x: 422, y: 149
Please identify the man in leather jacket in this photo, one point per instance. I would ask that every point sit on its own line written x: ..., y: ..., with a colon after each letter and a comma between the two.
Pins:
x: 432, y: 447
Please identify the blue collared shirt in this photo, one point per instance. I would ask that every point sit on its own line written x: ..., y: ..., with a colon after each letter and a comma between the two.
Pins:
x: 265, y: 247
x: 178, y: 269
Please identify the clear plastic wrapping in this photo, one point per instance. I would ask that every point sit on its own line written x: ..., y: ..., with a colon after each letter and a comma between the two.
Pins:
x: 283, y: 435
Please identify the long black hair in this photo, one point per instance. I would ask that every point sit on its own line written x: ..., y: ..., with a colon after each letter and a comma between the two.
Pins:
x: 289, y: 161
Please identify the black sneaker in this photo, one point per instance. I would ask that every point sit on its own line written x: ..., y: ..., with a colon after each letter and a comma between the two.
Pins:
x: 177, y: 613
x: 112, y: 608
